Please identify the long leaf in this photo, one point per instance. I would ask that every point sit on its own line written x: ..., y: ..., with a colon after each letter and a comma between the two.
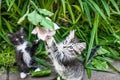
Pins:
x: 87, y: 11
x: 89, y: 72
x: 115, y: 5
x: 106, y: 7
x: 8, y: 25
x: 81, y: 5
x: 11, y: 4
x: 113, y: 68
x: 42, y: 62
x: 64, y: 7
x: 71, y: 12
x: 93, y: 32
x: 98, y: 9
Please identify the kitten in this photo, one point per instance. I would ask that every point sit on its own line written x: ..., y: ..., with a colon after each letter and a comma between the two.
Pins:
x: 63, y: 56
x: 25, y: 54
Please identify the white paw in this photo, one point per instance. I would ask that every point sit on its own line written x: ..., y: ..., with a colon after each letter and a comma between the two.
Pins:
x: 58, y: 78
x: 23, y: 75
x: 38, y: 69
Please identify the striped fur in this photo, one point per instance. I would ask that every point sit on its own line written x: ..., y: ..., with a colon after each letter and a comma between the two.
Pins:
x: 63, y: 56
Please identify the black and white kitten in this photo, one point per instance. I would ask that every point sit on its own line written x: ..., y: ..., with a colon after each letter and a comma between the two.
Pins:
x: 25, y: 54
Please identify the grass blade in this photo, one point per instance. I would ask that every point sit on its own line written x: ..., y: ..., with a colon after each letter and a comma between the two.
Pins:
x: 88, y: 72
x: 8, y: 25
x: 71, y: 12
x: 87, y: 11
x: 93, y: 32
x: 81, y: 5
x: 11, y: 4
x: 64, y: 7
x: 98, y: 9
x: 0, y: 3
x: 42, y: 62
x: 113, y: 68
x: 115, y: 5
x: 106, y: 7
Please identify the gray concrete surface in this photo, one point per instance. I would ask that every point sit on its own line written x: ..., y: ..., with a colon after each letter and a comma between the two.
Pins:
x: 96, y: 75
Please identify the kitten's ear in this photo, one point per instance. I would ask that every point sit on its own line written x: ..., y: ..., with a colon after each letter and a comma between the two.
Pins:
x: 72, y: 34
x: 9, y: 35
x: 21, y: 29
x: 70, y: 37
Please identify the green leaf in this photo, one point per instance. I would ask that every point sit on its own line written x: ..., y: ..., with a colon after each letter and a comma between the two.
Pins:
x: 47, y: 23
x: 23, y: 17
x: 106, y: 7
x: 64, y: 6
x: 8, y: 25
x: 101, y: 65
x: 87, y: 11
x: 45, y: 72
x: 81, y: 4
x: 89, y: 72
x: 0, y: 3
x: 70, y: 12
x: 113, y: 67
x: 45, y: 12
x: 115, y: 5
x: 93, y: 32
x: 102, y: 51
x: 11, y: 4
x: 40, y: 47
x: 42, y: 62
x: 34, y: 17
x: 77, y: 7
x: 104, y: 59
x: 98, y: 9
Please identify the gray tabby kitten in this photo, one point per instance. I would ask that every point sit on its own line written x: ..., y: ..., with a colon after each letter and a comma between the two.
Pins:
x: 63, y: 56
x: 25, y: 54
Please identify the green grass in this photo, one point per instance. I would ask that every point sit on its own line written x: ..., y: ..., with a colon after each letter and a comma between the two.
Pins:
x: 96, y: 23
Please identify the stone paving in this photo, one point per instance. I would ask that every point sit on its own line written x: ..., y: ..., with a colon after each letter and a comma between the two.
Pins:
x: 95, y: 75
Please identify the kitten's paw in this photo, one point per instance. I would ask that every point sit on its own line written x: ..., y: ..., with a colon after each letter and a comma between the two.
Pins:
x: 36, y: 41
x: 58, y: 78
x: 38, y: 69
x: 23, y: 75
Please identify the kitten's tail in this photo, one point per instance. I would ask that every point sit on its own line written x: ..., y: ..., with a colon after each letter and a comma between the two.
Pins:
x: 92, y: 54
x: 93, y: 51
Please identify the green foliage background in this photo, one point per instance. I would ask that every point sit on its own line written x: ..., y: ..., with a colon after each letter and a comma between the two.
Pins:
x: 97, y: 22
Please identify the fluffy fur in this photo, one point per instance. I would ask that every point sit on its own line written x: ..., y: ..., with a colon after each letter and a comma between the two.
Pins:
x: 25, y: 54
x: 63, y: 56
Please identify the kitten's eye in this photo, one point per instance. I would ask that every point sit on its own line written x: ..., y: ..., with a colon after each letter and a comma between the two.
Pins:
x: 66, y: 41
x: 16, y: 39
x: 22, y: 36
x: 71, y: 47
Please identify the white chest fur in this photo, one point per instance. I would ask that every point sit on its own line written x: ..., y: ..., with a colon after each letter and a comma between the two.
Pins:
x: 26, y: 55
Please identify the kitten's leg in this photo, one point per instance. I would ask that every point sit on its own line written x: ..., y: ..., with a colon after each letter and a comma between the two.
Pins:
x: 58, y: 78
x: 23, y: 75
x: 37, y: 69
x: 34, y: 64
x: 24, y: 70
x: 34, y: 47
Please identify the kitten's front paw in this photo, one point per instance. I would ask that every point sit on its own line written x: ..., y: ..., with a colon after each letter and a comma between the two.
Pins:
x: 58, y: 78
x: 36, y: 41
x: 23, y: 75
x: 38, y: 69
